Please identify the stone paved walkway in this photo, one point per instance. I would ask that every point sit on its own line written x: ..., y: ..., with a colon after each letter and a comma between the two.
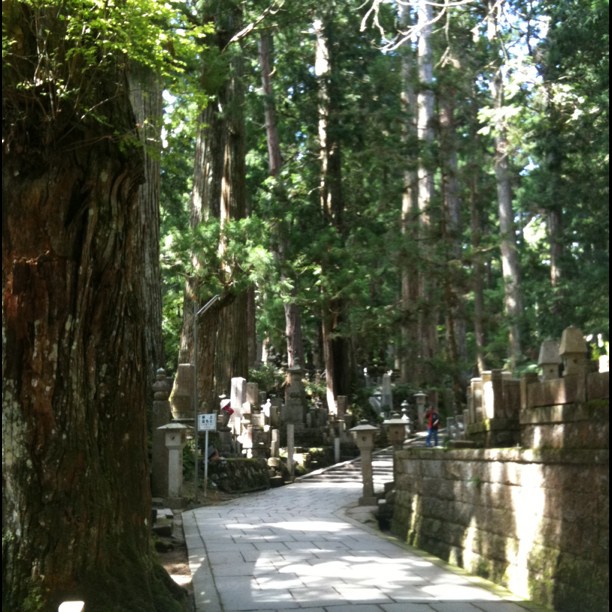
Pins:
x: 309, y: 546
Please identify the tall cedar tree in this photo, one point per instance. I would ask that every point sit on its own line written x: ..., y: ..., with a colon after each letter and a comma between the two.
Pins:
x: 75, y: 495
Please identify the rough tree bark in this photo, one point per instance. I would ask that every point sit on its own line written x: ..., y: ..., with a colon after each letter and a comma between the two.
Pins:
x: 293, y: 319
x: 219, y: 193
x: 427, y: 313
x: 453, y: 277
x: 409, y: 213
x: 146, y: 99
x: 336, y: 348
x: 75, y: 497
x: 513, y: 302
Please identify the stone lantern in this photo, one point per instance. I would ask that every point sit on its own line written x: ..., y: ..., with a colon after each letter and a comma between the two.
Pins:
x: 549, y: 359
x: 420, y: 402
x: 396, y: 431
x: 175, y: 438
x: 573, y: 351
x: 363, y: 435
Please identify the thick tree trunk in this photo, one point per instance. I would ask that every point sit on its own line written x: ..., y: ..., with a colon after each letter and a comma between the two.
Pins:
x: 219, y: 193
x: 513, y: 303
x: 293, y: 320
x: 336, y: 348
x: 146, y: 99
x: 554, y: 222
x: 453, y: 275
x: 409, y: 215
x: 427, y: 311
x: 76, y: 498
x: 478, y: 273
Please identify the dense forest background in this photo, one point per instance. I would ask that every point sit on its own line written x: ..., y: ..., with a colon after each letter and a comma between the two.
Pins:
x: 420, y: 188
x: 253, y: 186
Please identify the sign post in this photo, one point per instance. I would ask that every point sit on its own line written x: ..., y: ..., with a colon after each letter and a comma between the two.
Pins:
x: 206, y: 423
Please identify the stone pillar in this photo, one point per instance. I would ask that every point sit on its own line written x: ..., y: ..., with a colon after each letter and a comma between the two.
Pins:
x: 276, y: 406
x: 492, y: 394
x: 364, y: 437
x: 337, y: 450
x: 295, y: 398
x: 252, y: 393
x: 175, y: 438
x: 161, y: 414
x: 260, y: 443
x: 238, y: 393
x: 246, y: 440
x: 238, y: 397
x: 476, y: 400
x: 275, y: 443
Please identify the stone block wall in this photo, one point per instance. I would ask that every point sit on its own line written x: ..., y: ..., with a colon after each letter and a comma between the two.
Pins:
x: 569, y: 412
x: 533, y: 520
x: 240, y: 475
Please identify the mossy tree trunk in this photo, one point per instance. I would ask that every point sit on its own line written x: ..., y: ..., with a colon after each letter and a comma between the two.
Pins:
x: 224, y: 333
x: 76, y: 494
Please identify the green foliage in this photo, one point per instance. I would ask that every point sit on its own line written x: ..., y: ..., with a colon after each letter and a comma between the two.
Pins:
x: 269, y: 378
x: 76, y: 47
x: 556, y: 115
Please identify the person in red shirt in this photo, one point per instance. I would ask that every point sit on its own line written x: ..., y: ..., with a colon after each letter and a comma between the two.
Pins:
x: 433, y: 422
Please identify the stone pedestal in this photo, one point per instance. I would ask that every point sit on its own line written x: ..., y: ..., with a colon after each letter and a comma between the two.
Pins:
x: 175, y: 438
x: 364, y: 438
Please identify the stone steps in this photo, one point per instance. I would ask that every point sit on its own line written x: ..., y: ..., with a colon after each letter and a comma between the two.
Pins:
x: 350, y: 471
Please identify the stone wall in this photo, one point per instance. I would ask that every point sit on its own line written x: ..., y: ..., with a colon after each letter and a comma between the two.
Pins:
x: 533, y: 520
x: 532, y: 516
x: 568, y: 412
x: 240, y: 475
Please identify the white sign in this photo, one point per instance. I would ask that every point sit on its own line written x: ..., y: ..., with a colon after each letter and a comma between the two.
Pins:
x: 207, y: 422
